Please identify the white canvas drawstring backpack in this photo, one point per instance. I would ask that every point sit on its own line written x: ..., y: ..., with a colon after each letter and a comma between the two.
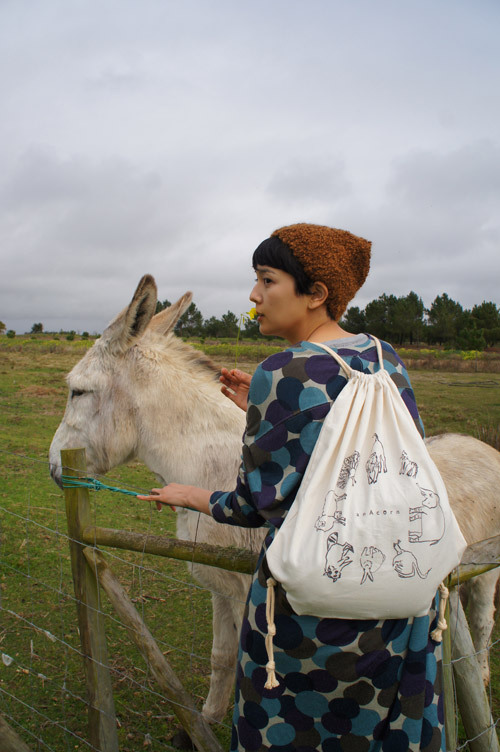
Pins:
x: 371, y: 533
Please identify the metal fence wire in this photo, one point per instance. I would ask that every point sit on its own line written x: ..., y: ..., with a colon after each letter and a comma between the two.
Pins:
x: 44, y: 691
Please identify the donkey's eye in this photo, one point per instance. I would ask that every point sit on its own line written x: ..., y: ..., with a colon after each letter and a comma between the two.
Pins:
x: 76, y: 393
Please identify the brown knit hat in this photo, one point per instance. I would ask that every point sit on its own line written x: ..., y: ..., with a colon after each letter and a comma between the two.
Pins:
x: 335, y: 257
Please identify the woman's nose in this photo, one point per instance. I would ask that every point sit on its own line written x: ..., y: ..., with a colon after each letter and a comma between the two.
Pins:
x: 254, y: 295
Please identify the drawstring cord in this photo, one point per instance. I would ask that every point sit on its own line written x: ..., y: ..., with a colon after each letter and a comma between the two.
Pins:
x: 437, y: 634
x: 271, y: 682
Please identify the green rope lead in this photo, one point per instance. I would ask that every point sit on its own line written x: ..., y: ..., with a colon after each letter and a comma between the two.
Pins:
x: 69, y: 481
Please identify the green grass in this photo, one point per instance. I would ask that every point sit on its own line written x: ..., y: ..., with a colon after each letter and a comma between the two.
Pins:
x: 35, y: 577
x: 36, y: 584
x: 457, y: 402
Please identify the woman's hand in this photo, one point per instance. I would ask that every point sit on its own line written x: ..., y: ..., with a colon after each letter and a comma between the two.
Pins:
x: 177, y: 495
x: 235, y: 386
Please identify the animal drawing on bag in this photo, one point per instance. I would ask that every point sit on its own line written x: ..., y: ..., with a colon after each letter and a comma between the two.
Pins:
x: 348, y: 470
x: 430, y: 519
x: 338, y: 556
x: 371, y: 560
x: 326, y: 521
x: 376, y: 462
x: 408, y: 467
x: 405, y: 563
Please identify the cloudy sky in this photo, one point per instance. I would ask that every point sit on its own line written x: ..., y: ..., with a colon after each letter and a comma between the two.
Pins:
x: 171, y: 136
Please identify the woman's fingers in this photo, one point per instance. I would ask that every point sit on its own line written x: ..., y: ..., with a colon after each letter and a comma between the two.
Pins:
x: 227, y: 380
x: 244, y: 378
x: 228, y: 393
x: 159, y: 504
x: 158, y: 496
x: 152, y: 496
x: 235, y: 378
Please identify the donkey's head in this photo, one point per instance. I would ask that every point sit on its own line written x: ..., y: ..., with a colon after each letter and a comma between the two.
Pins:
x: 104, y: 387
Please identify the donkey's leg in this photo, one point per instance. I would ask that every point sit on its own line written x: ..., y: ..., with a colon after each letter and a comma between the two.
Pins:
x: 481, y: 616
x: 226, y: 618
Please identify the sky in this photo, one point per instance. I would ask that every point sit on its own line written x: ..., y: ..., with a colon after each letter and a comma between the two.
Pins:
x: 171, y: 137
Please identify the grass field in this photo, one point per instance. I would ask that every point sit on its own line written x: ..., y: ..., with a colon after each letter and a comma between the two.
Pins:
x: 41, y: 666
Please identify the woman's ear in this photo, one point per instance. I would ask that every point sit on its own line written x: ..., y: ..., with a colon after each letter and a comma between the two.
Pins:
x: 318, y: 294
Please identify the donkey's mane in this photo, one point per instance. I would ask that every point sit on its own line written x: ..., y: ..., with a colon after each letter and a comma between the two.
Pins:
x: 190, y: 356
x: 198, y: 358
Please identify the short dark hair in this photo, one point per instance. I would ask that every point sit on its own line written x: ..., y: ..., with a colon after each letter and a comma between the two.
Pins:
x: 274, y: 252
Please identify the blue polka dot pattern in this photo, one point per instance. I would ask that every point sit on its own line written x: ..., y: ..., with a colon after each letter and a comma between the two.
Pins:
x: 344, y: 685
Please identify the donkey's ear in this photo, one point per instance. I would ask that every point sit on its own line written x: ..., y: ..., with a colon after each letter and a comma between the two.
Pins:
x: 131, y: 323
x: 164, y: 322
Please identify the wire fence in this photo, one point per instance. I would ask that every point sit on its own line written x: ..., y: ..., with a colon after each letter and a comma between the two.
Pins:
x: 42, y: 684
x: 43, y: 693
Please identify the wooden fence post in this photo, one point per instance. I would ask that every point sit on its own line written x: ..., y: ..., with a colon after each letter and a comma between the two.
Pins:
x: 450, y: 720
x: 471, y: 696
x: 9, y: 740
x: 181, y: 701
x: 102, y: 718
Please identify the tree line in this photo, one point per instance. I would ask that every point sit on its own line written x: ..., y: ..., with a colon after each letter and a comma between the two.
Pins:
x: 405, y: 320
x: 400, y: 320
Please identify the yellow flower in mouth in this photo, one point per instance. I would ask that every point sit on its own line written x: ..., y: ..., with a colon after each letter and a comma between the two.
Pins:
x: 252, y: 314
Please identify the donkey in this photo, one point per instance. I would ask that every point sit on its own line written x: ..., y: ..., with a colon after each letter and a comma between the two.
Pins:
x: 141, y: 392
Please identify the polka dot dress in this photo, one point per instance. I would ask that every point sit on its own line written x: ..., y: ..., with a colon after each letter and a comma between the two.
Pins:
x: 343, y: 684
x: 348, y: 685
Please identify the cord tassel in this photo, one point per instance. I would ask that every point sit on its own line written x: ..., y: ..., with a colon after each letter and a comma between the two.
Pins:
x: 437, y: 634
x: 271, y: 682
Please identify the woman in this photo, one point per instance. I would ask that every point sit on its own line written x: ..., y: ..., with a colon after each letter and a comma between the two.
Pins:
x: 342, y: 684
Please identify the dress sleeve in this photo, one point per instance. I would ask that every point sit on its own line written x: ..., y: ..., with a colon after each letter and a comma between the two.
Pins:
x: 277, y: 445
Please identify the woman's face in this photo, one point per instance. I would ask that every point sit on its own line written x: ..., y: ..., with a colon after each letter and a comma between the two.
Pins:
x: 280, y: 311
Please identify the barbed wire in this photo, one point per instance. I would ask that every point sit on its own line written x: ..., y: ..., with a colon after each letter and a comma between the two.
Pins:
x: 70, y: 597
x: 139, y: 568
x: 119, y: 558
x: 47, y: 719
x: 478, y: 736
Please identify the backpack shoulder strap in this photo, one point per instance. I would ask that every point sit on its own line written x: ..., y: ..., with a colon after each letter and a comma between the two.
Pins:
x: 346, y: 368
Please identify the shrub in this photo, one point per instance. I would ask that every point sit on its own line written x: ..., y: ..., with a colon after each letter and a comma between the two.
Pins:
x: 71, y: 336
x: 232, y: 351
x: 11, y: 334
x: 471, y: 354
x: 420, y: 352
